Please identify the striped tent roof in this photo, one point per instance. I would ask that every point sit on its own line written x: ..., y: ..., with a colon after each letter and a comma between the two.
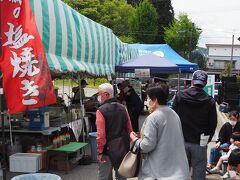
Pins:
x: 75, y: 43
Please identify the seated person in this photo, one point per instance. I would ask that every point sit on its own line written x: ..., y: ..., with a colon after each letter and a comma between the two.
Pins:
x: 235, y: 138
x: 233, y: 163
x: 224, y: 137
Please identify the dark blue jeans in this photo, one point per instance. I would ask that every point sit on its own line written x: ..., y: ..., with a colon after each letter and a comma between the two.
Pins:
x: 197, y: 158
x: 215, y: 154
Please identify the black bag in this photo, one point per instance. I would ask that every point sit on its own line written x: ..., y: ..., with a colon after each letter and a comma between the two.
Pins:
x: 234, y: 158
x: 117, y: 149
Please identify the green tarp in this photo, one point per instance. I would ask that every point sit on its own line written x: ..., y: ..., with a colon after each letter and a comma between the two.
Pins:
x: 74, y: 43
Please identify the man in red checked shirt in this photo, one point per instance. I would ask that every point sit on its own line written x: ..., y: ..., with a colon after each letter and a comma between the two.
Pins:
x: 113, y: 122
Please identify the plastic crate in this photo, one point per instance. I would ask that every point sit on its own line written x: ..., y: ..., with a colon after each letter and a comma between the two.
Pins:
x: 25, y: 162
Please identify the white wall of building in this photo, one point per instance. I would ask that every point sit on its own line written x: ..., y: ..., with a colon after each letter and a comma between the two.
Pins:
x: 219, y: 54
x: 223, y: 51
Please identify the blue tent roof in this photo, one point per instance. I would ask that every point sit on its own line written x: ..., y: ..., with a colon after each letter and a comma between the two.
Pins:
x: 168, y: 53
x: 155, y: 63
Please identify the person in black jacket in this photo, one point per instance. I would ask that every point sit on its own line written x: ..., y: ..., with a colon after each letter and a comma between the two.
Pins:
x: 224, y: 136
x: 134, y: 106
x: 197, y: 112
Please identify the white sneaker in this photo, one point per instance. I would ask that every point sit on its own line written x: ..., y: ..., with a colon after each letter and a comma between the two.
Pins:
x: 229, y: 175
x: 214, y: 170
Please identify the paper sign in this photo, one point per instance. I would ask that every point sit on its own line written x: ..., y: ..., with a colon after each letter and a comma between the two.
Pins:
x: 142, y: 73
x: 204, y: 139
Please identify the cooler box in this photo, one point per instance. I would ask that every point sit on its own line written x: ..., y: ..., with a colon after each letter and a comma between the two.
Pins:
x: 39, y: 118
x: 25, y: 162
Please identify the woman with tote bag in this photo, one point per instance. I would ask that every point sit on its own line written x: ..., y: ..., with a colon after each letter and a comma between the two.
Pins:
x: 161, y: 140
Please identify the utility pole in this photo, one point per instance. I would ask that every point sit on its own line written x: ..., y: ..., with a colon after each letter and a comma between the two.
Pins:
x: 190, y: 42
x: 231, y: 61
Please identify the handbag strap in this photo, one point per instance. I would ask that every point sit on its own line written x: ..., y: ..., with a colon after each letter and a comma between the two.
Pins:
x: 134, y: 148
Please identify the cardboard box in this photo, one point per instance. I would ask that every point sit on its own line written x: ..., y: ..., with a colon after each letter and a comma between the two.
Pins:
x: 44, y: 158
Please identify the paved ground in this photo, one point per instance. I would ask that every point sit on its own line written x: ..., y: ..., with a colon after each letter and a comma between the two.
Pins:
x: 89, y: 172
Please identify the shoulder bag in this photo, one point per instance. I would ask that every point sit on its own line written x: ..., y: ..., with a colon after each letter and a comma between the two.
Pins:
x: 131, y: 162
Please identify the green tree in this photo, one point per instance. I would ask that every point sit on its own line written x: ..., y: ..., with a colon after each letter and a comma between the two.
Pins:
x: 127, y: 39
x: 226, y: 71
x: 133, y: 2
x: 115, y: 15
x: 199, y: 57
x: 143, y: 23
x: 166, y: 16
x: 182, y: 35
x: 165, y: 13
x: 88, y: 8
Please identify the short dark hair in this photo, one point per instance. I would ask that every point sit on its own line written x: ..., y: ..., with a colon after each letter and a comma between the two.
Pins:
x: 119, y: 84
x: 236, y: 136
x: 234, y: 113
x: 84, y: 82
x: 160, y: 93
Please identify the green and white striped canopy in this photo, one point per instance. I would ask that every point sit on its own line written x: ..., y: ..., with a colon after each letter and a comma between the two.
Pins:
x: 75, y: 43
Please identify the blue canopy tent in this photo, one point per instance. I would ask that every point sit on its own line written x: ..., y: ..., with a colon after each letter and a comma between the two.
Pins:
x: 155, y: 63
x: 169, y: 54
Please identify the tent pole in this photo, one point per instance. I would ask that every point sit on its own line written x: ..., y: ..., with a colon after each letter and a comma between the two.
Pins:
x: 179, y: 72
x: 63, y: 90
x: 80, y: 90
x: 1, y: 109
x: 69, y: 90
x: 81, y: 107
x: 3, y: 136
x: 70, y: 101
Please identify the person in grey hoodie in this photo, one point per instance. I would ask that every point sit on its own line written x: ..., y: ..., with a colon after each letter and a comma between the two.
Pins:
x: 197, y: 111
x: 161, y: 141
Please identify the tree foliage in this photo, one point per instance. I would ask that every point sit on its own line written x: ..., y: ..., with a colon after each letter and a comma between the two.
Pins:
x: 143, y: 23
x: 134, y: 3
x: 199, y: 58
x: 88, y: 8
x: 182, y: 35
x: 165, y: 13
x: 226, y: 71
x: 127, y: 39
x: 166, y: 16
x: 113, y: 14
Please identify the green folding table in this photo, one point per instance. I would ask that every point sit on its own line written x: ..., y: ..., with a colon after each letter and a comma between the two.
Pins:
x: 63, y: 154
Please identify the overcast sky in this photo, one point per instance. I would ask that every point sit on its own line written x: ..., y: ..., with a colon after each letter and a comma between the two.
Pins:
x: 218, y: 19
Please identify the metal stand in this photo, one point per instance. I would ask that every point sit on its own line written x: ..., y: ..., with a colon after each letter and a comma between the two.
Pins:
x: 3, y: 162
x: 1, y: 111
x: 81, y: 107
